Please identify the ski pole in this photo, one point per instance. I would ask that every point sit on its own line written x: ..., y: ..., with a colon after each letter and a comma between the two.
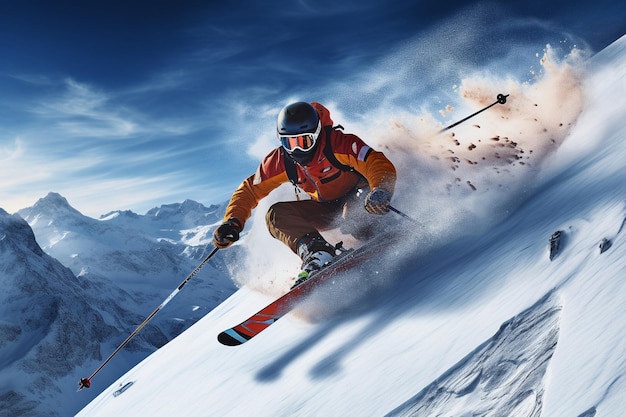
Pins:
x: 501, y: 98
x: 406, y: 216
x: 86, y: 382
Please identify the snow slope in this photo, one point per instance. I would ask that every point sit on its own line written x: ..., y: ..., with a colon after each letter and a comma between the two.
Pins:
x: 461, y: 322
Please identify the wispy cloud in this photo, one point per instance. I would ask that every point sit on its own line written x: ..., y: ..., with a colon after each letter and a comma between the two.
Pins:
x: 96, y: 147
x: 83, y: 111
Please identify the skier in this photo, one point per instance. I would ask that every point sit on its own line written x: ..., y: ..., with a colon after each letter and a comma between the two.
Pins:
x: 341, y: 174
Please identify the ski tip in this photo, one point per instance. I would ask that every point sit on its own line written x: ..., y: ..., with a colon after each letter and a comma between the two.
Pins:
x: 231, y: 337
x: 83, y: 383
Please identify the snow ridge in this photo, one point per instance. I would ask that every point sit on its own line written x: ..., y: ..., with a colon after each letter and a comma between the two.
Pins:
x: 502, y: 377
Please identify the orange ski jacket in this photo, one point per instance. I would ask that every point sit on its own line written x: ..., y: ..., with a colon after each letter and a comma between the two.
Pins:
x: 320, y: 179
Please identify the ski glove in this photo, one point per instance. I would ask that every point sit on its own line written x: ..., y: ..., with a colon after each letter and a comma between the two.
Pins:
x: 378, y: 201
x: 227, y: 233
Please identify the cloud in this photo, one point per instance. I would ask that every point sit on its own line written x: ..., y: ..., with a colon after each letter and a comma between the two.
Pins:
x: 83, y: 111
x: 96, y: 148
x: 34, y: 79
x: 11, y: 151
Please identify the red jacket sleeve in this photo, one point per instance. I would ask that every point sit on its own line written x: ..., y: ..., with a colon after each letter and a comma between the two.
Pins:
x: 269, y: 175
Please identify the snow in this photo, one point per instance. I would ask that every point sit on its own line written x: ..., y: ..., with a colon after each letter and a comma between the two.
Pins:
x: 472, y: 318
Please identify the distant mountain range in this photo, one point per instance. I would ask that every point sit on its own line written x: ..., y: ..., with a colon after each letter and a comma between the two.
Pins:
x: 74, y: 287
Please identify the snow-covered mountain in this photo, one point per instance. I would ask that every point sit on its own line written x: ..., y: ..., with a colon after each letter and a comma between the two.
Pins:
x: 68, y: 303
x: 48, y: 326
x: 471, y: 317
x: 120, y: 245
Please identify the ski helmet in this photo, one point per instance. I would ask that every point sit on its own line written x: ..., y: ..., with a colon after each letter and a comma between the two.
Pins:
x: 298, y: 127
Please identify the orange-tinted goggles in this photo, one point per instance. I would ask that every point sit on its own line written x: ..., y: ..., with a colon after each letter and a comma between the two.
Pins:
x: 301, y: 141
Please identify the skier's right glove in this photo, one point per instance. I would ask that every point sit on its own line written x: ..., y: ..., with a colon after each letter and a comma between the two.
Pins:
x: 227, y: 233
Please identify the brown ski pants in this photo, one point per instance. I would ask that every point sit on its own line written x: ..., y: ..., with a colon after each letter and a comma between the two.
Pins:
x: 290, y: 221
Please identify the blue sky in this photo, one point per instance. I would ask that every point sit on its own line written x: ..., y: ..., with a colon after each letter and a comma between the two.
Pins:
x: 130, y: 105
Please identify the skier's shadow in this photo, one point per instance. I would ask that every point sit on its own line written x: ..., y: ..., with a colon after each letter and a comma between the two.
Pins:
x: 333, y: 317
x: 388, y: 304
x: 331, y: 364
x: 272, y: 371
x: 335, y: 312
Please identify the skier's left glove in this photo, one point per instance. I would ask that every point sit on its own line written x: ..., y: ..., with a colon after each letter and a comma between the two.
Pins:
x: 378, y: 201
x: 227, y: 233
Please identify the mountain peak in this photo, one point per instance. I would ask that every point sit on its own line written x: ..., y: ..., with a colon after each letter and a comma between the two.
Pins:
x: 53, y: 207
x: 52, y: 204
x: 15, y: 232
x: 188, y: 212
x: 54, y: 199
x: 119, y: 213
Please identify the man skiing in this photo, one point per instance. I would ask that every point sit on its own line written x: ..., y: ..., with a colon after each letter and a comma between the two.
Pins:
x: 341, y: 174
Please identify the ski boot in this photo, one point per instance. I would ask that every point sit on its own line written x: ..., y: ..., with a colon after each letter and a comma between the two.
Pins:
x: 315, y: 253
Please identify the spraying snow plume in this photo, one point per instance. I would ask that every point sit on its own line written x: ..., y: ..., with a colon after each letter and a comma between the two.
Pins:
x: 473, y: 173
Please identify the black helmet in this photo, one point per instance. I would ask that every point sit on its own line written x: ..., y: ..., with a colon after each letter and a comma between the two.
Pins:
x: 298, y: 127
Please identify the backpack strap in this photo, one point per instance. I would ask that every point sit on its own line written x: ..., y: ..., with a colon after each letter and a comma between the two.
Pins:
x: 328, y: 150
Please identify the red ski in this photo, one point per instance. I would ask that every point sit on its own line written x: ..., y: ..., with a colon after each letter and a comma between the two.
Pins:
x: 264, y: 318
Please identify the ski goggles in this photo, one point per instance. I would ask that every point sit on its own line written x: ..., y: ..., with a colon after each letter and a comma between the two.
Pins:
x: 301, y: 141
